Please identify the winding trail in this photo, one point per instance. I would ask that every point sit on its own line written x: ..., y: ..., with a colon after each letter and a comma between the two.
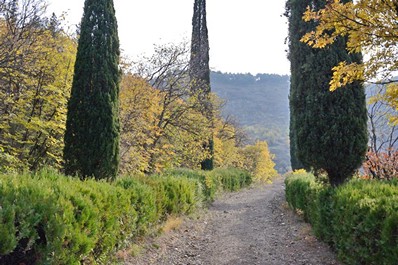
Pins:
x: 253, y: 226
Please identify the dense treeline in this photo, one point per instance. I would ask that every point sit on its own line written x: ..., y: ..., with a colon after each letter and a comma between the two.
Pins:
x: 161, y: 122
x: 36, y: 68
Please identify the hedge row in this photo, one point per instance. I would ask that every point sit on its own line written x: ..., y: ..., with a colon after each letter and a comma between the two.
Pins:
x: 47, y: 218
x: 359, y: 219
x: 216, y: 180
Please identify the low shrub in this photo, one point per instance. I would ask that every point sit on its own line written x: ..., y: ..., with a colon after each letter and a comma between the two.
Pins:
x: 301, y: 190
x: 365, y: 222
x: 382, y: 165
x: 232, y: 179
x: 143, y: 199
x: 210, y: 185
x: 359, y: 218
x: 174, y: 196
x: 47, y: 218
x: 59, y: 220
x: 217, y: 180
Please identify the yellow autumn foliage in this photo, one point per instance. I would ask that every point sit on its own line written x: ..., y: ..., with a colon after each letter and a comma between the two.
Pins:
x: 259, y: 161
x: 370, y: 27
x: 391, y: 97
x: 34, y: 93
x: 139, y: 107
x: 158, y: 132
x: 226, y: 147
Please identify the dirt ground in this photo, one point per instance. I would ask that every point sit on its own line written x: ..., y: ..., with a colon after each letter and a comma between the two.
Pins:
x: 253, y: 226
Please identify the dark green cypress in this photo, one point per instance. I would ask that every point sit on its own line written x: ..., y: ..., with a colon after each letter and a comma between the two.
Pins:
x: 299, y: 69
x: 200, y: 70
x: 92, y: 126
x: 330, y: 127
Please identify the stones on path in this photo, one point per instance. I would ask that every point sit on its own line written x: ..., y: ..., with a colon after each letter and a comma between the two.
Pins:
x: 250, y: 227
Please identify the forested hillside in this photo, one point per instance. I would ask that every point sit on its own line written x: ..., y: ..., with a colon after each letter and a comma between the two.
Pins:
x: 260, y: 105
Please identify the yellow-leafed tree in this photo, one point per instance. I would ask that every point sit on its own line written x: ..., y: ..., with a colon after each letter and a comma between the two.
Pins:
x: 370, y: 27
x: 139, y: 109
x: 228, y: 138
x: 35, y: 78
x: 179, y: 128
x: 259, y: 161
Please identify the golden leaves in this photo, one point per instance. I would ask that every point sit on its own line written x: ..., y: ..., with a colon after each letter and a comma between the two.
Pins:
x: 391, y: 97
x: 35, y: 92
x: 344, y: 74
x: 370, y: 27
x: 259, y: 161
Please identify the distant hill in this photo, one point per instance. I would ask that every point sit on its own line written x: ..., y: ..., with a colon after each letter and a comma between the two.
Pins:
x: 261, y: 106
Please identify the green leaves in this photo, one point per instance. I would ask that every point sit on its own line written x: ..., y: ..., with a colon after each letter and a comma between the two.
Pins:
x: 92, y: 126
x: 328, y: 130
x: 359, y: 218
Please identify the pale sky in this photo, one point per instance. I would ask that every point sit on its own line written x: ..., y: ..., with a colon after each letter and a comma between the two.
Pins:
x: 245, y: 36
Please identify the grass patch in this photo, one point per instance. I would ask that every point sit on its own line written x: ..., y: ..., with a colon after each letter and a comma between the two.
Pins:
x: 172, y: 223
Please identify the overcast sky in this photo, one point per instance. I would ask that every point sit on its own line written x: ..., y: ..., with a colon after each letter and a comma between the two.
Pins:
x: 245, y: 36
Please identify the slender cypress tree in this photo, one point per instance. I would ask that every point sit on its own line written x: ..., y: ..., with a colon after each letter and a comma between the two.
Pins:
x: 299, y: 69
x: 200, y: 70
x: 92, y: 126
x: 329, y: 127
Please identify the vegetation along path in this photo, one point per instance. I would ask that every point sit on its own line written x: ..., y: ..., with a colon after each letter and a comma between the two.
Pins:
x: 253, y: 226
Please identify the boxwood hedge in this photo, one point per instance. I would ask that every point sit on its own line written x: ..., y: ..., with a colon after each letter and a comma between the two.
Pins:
x: 358, y: 219
x: 48, y: 218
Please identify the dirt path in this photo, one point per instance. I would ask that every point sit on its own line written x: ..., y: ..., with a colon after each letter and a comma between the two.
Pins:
x: 252, y: 227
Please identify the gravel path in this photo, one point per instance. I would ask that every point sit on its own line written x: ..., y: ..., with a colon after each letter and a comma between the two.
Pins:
x: 250, y: 227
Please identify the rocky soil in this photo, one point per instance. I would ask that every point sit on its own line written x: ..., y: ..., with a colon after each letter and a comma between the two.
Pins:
x: 253, y: 226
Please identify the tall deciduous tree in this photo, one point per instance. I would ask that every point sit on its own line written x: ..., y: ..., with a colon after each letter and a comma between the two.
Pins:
x: 200, y: 70
x: 331, y: 132
x: 180, y: 128
x: 92, y: 128
x: 36, y: 68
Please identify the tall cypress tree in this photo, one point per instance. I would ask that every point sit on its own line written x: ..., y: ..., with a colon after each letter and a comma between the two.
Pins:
x: 92, y: 126
x: 200, y: 70
x: 299, y: 69
x: 329, y: 127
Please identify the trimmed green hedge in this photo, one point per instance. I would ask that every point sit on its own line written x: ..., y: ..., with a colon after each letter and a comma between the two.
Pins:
x: 47, y: 218
x: 359, y: 219
x: 58, y: 220
x: 214, y: 181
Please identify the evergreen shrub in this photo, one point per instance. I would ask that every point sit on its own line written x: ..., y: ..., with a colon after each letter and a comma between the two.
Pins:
x: 232, y: 179
x: 215, y: 181
x: 173, y: 196
x: 47, y: 218
x: 210, y: 184
x: 359, y: 219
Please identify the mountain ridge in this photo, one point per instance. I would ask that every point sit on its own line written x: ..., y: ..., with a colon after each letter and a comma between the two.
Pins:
x: 260, y: 105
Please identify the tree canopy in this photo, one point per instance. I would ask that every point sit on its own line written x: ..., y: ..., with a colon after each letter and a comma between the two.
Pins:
x: 36, y: 69
x: 370, y: 27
